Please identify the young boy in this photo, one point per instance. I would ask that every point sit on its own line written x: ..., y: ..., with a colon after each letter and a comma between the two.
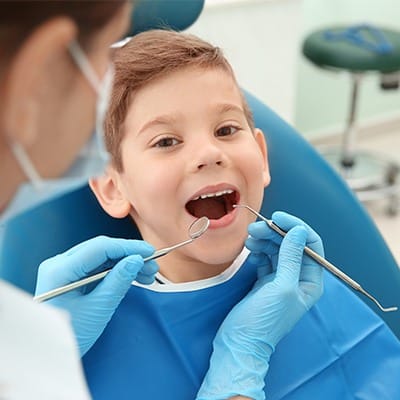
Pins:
x: 183, y: 145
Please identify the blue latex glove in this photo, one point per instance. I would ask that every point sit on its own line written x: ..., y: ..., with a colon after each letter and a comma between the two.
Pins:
x: 289, y: 283
x: 91, y: 310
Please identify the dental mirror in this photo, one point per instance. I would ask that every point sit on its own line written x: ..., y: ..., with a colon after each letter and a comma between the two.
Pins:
x: 320, y: 260
x: 196, y: 229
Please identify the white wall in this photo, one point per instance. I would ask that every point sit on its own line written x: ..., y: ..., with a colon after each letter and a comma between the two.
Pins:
x: 260, y: 39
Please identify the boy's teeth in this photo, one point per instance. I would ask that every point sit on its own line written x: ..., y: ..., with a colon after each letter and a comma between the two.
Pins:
x: 222, y: 192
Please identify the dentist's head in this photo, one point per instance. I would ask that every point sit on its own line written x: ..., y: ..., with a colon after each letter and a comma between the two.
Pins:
x: 54, y: 59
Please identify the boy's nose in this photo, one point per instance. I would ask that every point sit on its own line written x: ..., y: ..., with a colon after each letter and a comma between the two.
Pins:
x: 208, y: 154
x: 209, y: 162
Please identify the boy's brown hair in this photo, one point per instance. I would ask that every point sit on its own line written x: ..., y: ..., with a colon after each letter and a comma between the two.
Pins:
x: 148, y: 56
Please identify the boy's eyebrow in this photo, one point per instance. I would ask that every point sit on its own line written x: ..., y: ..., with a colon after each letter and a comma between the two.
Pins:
x: 159, y: 120
x: 170, y: 119
x: 227, y: 107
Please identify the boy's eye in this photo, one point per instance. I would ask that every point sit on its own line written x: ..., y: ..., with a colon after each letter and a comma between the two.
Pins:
x: 228, y: 130
x: 166, y: 142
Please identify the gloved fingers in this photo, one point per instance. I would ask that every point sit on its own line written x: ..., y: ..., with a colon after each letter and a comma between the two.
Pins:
x: 311, y: 284
x: 101, y: 249
x: 311, y: 274
x: 291, y: 256
x: 119, y: 279
x: 261, y: 282
x: 149, y: 268
x: 145, y: 279
x: 264, y: 268
x: 286, y: 221
x: 261, y: 245
x: 79, y: 261
x: 261, y: 231
x: 146, y: 275
x: 258, y: 258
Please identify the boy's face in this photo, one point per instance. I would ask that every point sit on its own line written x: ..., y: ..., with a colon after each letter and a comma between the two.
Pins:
x: 186, y: 137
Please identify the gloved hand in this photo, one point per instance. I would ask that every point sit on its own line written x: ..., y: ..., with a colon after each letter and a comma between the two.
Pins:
x: 91, y: 310
x: 289, y: 283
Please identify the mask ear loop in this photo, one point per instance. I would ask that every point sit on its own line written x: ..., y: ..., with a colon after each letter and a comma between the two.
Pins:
x: 26, y: 164
x: 84, y: 65
x: 102, y: 106
x: 101, y: 87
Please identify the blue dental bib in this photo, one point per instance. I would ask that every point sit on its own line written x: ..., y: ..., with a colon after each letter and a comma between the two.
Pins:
x: 158, y: 345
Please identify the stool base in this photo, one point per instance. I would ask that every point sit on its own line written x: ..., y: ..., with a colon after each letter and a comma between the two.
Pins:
x: 371, y: 177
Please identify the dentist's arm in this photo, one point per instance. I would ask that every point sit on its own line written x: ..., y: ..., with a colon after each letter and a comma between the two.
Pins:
x: 288, y: 285
x: 91, y: 310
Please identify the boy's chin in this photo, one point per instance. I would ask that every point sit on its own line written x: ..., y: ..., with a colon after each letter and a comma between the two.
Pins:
x: 221, y: 256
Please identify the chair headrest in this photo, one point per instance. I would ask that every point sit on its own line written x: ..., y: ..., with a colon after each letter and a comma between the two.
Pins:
x: 158, y: 14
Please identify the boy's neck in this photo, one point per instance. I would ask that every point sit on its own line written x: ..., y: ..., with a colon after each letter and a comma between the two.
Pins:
x: 190, y: 271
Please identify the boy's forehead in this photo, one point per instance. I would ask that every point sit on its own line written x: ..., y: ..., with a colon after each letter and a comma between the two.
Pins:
x: 183, y: 90
x: 187, y: 76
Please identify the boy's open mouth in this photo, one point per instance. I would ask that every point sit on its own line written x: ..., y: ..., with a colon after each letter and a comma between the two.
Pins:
x: 213, y: 205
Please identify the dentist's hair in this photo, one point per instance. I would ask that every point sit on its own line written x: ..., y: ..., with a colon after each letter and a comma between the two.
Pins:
x: 149, y: 56
x: 19, y: 18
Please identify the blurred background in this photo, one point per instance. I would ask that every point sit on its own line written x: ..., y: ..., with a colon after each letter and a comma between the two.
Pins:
x: 263, y: 39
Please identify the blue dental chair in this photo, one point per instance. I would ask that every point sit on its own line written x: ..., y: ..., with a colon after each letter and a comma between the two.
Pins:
x: 158, y: 14
x: 302, y: 184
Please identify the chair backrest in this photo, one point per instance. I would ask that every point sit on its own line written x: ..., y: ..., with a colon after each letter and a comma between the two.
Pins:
x: 52, y: 228
x: 302, y: 184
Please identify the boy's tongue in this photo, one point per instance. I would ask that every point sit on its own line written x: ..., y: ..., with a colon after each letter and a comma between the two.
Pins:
x: 212, y: 208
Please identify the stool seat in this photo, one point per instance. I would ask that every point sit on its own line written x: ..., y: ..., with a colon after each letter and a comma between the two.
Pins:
x: 356, y: 48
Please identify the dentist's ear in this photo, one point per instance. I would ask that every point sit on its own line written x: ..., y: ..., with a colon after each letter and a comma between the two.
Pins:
x: 107, y: 191
x: 39, y: 58
x: 262, y: 144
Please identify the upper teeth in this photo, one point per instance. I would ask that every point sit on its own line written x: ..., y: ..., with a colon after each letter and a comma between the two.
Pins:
x: 222, y: 192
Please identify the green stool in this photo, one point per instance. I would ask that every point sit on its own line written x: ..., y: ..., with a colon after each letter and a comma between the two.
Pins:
x: 360, y: 49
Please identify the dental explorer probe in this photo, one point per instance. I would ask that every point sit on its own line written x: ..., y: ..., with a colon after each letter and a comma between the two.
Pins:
x: 196, y: 229
x: 320, y: 260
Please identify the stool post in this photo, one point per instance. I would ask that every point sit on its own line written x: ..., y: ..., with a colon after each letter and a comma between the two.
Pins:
x: 348, y: 152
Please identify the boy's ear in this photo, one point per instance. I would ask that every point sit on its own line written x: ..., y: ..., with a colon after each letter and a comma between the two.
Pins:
x: 108, y: 194
x: 262, y: 144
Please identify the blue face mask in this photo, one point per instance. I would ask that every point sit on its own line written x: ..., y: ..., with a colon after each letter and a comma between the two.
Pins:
x: 90, y: 162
